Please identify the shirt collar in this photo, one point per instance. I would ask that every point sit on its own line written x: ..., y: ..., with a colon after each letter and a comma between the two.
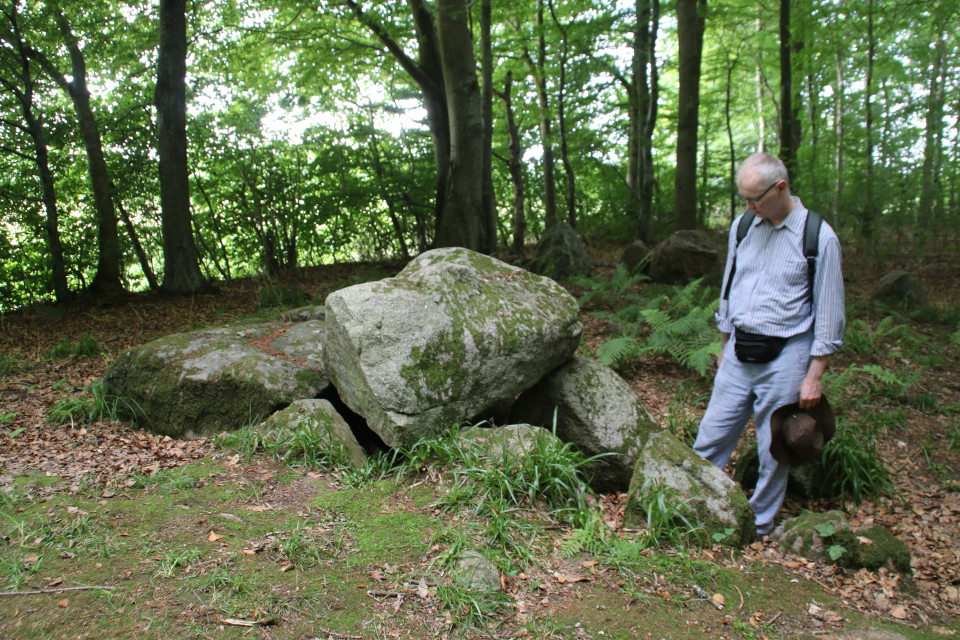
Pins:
x: 794, y: 221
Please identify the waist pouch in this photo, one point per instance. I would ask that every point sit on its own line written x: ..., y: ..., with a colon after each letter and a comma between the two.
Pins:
x: 755, y: 348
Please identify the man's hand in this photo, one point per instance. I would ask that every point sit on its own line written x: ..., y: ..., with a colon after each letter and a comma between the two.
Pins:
x: 724, y: 339
x: 811, y: 389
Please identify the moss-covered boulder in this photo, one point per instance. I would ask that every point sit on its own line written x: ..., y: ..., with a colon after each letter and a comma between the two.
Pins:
x: 828, y: 537
x: 597, y: 412
x: 449, y: 339
x: 716, y: 502
x: 686, y: 256
x: 901, y: 289
x: 511, y: 442
x: 560, y: 254
x: 193, y: 384
x: 316, y: 424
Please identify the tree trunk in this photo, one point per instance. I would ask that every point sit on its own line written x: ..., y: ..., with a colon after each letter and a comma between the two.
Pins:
x: 931, y: 190
x: 732, y: 178
x: 107, y: 279
x: 138, y: 248
x: 20, y: 66
x: 546, y: 137
x: 515, y: 165
x: 462, y: 224
x: 427, y: 72
x: 648, y: 122
x: 789, y: 108
x: 181, y: 268
x: 761, y: 121
x: 690, y: 28
x: 489, y: 196
x: 571, y: 189
x: 868, y: 213
x: 838, y: 136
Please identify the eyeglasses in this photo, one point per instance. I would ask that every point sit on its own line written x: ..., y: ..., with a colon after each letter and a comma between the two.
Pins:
x: 759, y: 197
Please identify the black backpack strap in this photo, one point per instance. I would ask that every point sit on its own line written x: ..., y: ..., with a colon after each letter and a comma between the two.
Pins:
x: 742, y: 229
x: 811, y: 247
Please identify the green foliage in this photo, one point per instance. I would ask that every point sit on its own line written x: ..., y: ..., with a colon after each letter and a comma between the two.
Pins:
x: 8, y: 365
x: 835, y: 551
x: 682, y: 324
x: 670, y: 521
x: 97, y: 406
x: 310, y: 442
x: 851, y: 467
x: 825, y: 530
x: 604, y: 292
x: 280, y: 296
x: 890, y: 384
x: 87, y: 347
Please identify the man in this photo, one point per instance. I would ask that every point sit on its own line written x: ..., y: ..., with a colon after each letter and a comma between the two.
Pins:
x: 770, y: 296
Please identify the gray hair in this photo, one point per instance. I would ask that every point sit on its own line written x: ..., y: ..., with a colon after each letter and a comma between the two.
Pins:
x: 769, y: 170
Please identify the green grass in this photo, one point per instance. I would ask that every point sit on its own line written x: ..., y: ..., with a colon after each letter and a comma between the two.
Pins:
x: 86, y: 347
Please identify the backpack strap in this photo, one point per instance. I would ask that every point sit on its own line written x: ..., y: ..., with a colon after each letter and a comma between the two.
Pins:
x: 811, y: 247
x: 742, y: 229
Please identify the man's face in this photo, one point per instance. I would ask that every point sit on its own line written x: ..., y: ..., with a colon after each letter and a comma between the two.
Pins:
x: 760, y: 198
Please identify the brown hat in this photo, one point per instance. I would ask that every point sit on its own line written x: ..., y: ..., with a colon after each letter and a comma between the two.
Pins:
x: 798, y: 435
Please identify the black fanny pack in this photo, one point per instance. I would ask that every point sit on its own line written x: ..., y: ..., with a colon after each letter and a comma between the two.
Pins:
x: 755, y: 348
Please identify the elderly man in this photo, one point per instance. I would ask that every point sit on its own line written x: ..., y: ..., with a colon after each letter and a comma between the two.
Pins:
x: 786, y: 320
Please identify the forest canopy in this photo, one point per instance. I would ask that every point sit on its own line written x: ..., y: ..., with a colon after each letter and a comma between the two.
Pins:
x: 172, y: 144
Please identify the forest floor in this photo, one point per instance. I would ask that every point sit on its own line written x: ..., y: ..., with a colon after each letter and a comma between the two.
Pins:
x: 110, y: 532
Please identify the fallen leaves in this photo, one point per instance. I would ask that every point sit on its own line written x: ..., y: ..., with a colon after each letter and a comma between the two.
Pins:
x: 213, y: 537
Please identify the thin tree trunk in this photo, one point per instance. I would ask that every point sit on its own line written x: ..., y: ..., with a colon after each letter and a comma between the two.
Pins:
x: 690, y: 28
x: 931, y: 190
x: 868, y: 213
x: 761, y: 122
x: 789, y: 138
x: 648, y: 123
x: 571, y: 189
x: 732, y: 178
x: 838, y: 136
x: 515, y: 166
x: 181, y: 267
x: 488, y: 195
x: 138, y: 248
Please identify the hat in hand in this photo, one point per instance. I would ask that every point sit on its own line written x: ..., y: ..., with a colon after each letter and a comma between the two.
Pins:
x: 798, y: 435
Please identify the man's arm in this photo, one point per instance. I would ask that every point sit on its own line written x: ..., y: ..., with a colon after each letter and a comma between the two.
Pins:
x: 810, y: 388
x: 724, y: 339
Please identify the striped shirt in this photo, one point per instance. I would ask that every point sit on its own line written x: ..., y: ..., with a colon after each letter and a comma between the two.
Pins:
x: 769, y: 294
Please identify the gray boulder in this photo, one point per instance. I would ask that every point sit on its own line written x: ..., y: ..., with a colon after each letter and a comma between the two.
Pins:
x: 634, y: 254
x: 449, y: 339
x: 511, y: 442
x: 188, y: 385
x: 322, y: 423
x: 560, y: 255
x: 901, y: 289
x: 302, y: 314
x: 684, y: 257
x: 474, y: 572
x: 597, y: 412
x: 715, y: 501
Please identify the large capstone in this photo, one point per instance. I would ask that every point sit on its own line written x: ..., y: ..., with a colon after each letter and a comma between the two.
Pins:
x: 596, y: 411
x: 187, y: 385
x: 718, y: 505
x: 449, y: 339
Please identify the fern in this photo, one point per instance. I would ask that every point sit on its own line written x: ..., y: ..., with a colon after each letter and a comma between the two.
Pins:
x: 891, y: 385
x: 618, y: 350
x: 603, y: 291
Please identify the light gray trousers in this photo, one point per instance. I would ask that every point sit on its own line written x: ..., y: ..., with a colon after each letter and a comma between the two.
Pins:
x: 741, y: 390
